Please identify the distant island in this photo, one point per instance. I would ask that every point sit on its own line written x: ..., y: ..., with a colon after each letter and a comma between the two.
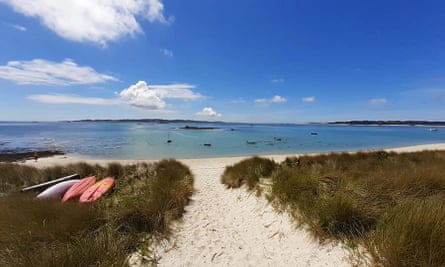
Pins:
x: 187, y: 127
x: 145, y: 120
x: 370, y: 122
x: 186, y: 122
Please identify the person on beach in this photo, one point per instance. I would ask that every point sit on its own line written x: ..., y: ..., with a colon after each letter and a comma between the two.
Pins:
x: 36, y: 156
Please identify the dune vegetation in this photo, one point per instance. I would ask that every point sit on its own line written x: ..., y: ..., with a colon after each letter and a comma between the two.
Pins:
x: 144, y: 202
x: 393, y: 205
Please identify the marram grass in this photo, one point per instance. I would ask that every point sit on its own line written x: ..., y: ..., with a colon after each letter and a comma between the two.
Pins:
x: 146, y: 199
x: 392, y: 204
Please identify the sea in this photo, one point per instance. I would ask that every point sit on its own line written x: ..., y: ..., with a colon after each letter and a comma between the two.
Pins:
x: 147, y: 140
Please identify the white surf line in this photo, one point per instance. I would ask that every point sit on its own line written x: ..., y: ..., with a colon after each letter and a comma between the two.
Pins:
x: 230, y: 227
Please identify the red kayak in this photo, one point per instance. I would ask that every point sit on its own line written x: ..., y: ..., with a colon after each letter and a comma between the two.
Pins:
x: 97, y: 190
x: 78, y: 188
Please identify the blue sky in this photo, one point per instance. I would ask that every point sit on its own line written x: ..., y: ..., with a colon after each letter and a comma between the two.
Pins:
x: 240, y: 61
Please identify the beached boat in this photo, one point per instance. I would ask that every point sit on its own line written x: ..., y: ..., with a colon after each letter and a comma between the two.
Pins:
x: 97, y: 190
x: 43, y: 186
x: 78, y: 188
x: 57, y: 191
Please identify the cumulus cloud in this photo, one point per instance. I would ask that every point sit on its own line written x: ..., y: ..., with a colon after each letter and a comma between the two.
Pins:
x: 152, y: 97
x: 94, y: 21
x: 139, y: 95
x: 275, y: 99
x: 377, y: 101
x: 167, y: 52
x: 70, y: 99
x: 308, y: 99
x: 208, y: 111
x: 39, y: 71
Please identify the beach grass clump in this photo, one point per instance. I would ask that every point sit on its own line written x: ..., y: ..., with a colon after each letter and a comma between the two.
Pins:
x: 13, y: 176
x: 248, y: 172
x: 290, y: 186
x: 144, y: 202
x: 344, y: 217
x: 411, y: 234
x: 151, y: 204
x: 392, y: 204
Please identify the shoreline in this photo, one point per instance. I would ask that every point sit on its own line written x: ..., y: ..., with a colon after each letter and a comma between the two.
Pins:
x: 226, y: 160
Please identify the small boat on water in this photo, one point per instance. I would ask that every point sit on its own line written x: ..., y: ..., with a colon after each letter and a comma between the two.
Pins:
x: 314, y: 133
x: 432, y: 129
x: 251, y: 142
x: 207, y: 144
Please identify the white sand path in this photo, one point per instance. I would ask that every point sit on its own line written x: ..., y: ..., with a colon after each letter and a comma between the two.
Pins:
x: 230, y: 227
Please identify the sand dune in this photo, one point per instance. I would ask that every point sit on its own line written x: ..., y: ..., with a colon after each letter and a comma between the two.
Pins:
x: 231, y: 227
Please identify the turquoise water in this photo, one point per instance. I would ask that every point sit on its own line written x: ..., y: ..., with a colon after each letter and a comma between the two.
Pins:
x: 131, y: 140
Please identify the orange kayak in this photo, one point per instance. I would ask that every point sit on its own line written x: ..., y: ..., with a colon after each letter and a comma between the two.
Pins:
x: 78, y: 188
x: 96, y: 190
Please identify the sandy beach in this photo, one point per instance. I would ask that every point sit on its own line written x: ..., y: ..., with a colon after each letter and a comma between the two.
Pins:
x: 231, y: 227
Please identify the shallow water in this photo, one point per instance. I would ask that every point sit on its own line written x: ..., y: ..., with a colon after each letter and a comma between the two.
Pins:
x: 132, y: 140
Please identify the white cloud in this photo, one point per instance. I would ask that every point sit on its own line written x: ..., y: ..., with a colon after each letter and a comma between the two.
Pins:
x: 94, y: 21
x: 39, y: 71
x: 280, y: 80
x: 208, y: 111
x: 167, y: 52
x: 18, y: 27
x: 275, y: 99
x: 152, y: 97
x: 278, y: 99
x: 377, y: 101
x: 262, y: 101
x: 139, y: 95
x: 176, y: 90
x: 308, y: 99
x: 70, y: 99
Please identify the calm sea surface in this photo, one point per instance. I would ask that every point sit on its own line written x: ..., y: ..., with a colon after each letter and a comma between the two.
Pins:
x: 131, y: 140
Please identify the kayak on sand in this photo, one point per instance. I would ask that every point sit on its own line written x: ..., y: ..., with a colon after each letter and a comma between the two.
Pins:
x: 57, y: 191
x: 97, y: 190
x: 78, y: 188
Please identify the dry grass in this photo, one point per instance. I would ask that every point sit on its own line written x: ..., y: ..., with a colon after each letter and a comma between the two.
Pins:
x: 391, y: 203
x: 144, y: 202
x: 247, y: 172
